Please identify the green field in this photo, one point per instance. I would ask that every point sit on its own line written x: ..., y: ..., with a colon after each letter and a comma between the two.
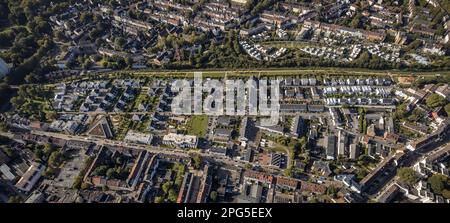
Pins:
x: 197, y: 125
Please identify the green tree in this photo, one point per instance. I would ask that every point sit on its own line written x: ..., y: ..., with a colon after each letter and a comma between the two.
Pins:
x: 129, y: 62
x: 407, y: 176
x: 59, y: 35
x: 119, y: 42
x: 213, y: 196
x: 49, y: 172
x: 447, y: 109
x: 77, y: 183
x: 3, y: 126
x: 361, y: 173
x: 180, y: 174
x: 166, y: 186
x: 197, y: 161
x: 55, y: 159
x: 86, y: 17
x: 438, y: 183
x: 11, y: 153
x: 85, y: 186
x: 435, y: 100
x: 446, y: 193
x: 400, y: 112
x: 332, y: 191
x: 17, y: 102
x: 100, y: 171
x: 111, y: 173
x: 87, y: 64
x: 48, y: 149
x: 159, y: 199
x: 288, y: 171
x: 14, y: 199
x: 172, y: 196
x: 50, y: 115
x: 356, y: 22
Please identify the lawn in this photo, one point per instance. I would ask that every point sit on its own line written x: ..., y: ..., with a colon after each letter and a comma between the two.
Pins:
x: 197, y: 125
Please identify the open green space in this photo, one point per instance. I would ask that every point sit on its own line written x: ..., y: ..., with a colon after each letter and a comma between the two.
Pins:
x: 197, y: 125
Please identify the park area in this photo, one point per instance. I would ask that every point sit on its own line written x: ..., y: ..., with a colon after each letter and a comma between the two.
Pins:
x: 197, y: 125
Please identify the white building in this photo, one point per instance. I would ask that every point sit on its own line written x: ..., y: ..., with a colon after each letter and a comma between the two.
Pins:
x: 183, y: 141
x: 137, y: 137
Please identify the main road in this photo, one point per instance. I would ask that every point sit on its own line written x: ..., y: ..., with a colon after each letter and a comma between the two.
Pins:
x: 149, y: 148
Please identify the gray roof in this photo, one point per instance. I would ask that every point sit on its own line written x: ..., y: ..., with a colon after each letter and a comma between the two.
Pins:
x: 297, y: 127
x: 222, y: 132
x: 331, y: 146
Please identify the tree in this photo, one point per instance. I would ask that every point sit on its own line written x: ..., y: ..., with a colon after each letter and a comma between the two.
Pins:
x: 77, y: 183
x: 119, y: 42
x: 17, y: 101
x: 400, y: 111
x: 85, y: 186
x: 11, y: 153
x: 3, y: 126
x: 86, y: 17
x: 356, y: 22
x: 180, y: 174
x: 361, y: 173
x: 159, y: 199
x: 100, y: 171
x: 446, y: 193
x: 50, y: 115
x: 332, y: 191
x: 197, y: 161
x: 59, y: 35
x: 407, y: 176
x: 288, y: 172
x: 166, y: 186
x: 105, y: 64
x: 435, y: 100
x: 49, y: 172
x: 55, y: 159
x: 87, y: 64
x: 213, y: 196
x: 14, y: 199
x: 111, y: 173
x: 172, y: 196
x: 48, y: 149
x: 437, y: 182
x: 236, y: 47
x: 447, y: 109
x: 129, y: 62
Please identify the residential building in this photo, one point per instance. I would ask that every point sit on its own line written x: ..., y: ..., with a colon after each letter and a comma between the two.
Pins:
x: 137, y: 137
x: 31, y: 177
x: 179, y: 140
